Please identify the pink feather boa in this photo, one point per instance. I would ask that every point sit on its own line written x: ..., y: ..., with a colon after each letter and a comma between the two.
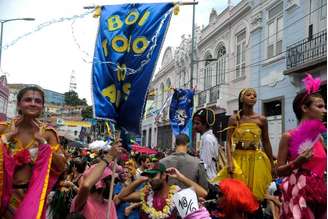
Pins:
x: 305, y: 135
x: 201, y: 213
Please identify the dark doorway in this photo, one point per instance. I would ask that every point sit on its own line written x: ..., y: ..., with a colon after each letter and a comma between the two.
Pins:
x: 272, y: 108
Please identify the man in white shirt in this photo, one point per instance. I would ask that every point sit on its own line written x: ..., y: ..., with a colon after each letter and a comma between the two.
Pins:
x: 209, y: 147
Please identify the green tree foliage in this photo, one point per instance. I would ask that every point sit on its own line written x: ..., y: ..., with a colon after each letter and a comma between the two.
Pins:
x: 87, y: 112
x: 72, y: 99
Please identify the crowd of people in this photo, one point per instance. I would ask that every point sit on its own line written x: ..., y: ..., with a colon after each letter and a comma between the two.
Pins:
x: 39, y: 178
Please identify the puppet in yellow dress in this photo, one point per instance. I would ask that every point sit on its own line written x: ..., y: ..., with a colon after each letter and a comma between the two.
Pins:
x: 250, y: 163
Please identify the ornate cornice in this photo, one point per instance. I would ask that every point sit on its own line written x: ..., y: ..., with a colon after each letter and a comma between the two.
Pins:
x: 256, y: 21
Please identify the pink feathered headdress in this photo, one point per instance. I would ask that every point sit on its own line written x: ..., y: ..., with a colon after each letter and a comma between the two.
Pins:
x: 312, y: 85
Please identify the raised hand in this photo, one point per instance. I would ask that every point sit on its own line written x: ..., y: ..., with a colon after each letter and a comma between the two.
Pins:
x: 116, y: 149
x: 38, y: 133
x: 174, y: 173
x: 13, y: 131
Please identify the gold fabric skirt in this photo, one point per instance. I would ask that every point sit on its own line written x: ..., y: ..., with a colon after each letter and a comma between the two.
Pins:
x: 251, y: 166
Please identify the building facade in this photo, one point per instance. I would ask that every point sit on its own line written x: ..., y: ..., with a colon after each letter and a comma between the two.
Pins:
x: 223, y: 57
x: 54, y: 101
x: 156, y: 130
x: 4, y: 98
x: 220, y: 60
x: 53, y: 97
x: 269, y: 45
x: 282, y: 51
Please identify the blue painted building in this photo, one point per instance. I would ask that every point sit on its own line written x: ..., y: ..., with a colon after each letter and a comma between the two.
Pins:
x: 53, y: 97
x: 283, y: 49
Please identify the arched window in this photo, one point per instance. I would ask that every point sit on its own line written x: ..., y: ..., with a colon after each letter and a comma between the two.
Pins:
x: 221, y: 65
x: 156, y: 99
x: 162, y: 95
x: 208, y: 72
x: 168, y: 86
x: 184, y: 79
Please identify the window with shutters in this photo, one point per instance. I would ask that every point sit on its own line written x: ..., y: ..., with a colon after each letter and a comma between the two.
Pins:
x: 275, y: 31
x: 323, y: 11
x: 221, y: 65
x: 208, y: 73
x: 240, y: 51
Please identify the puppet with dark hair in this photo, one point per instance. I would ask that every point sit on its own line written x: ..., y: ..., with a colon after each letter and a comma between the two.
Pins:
x: 302, y: 158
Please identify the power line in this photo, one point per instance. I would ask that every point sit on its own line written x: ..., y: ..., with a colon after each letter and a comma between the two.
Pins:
x: 74, y: 17
x: 46, y: 24
x: 264, y: 40
x: 254, y: 64
x: 285, y: 27
x: 260, y: 62
x: 154, y: 103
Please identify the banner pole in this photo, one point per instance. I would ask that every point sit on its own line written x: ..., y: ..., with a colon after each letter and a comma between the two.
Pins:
x: 111, y: 188
x: 179, y: 3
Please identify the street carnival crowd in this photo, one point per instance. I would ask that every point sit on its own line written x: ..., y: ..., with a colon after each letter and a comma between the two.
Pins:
x: 40, y: 178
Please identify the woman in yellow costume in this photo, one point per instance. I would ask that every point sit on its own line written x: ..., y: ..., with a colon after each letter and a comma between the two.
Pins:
x: 248, y: 159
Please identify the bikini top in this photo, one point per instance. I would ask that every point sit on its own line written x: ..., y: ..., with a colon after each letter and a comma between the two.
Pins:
x: 16, y: 146
x: 247, y: 134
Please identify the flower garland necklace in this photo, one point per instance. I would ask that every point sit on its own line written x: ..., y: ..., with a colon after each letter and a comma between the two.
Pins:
x: 147, y: 205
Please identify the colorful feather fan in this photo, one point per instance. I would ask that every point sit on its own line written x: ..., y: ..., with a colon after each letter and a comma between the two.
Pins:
x: 304, y: 137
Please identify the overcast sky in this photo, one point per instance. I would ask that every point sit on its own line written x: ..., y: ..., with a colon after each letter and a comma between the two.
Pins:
x: 48, y: 57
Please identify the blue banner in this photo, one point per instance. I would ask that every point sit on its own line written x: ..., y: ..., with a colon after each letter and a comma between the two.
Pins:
x: 181, y: 111
x: 128, y: 44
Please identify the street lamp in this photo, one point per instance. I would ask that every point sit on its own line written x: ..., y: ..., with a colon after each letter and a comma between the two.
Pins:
x: 1, y: 27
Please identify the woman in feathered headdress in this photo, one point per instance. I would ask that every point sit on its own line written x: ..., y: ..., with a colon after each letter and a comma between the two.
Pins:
x: 302, y: 158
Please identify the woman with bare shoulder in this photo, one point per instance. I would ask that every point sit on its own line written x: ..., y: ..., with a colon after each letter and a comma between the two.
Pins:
x: 249, y: 153
x: 302, y: 158
x: 30, y: 159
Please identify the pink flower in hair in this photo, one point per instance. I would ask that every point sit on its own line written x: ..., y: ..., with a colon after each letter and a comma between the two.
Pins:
x: 312, y: 85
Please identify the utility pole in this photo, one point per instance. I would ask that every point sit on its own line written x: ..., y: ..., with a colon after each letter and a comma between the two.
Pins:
x: 72, y: 83
x: 192, y: 46
x: 1, y: 29
x: 192, y: 70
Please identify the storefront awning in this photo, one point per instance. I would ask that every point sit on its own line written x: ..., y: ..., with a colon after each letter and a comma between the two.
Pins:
x: 143, y: 150
x: 77, y: 123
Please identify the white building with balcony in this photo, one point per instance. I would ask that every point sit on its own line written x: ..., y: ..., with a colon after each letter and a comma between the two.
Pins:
x: 156, y: 130
x: 223, y: 60
x: 220, y: 72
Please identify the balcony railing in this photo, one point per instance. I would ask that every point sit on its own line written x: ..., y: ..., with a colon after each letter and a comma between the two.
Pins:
x: 214, y: 94
x: 307, y: 50
x: 202, y: 98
